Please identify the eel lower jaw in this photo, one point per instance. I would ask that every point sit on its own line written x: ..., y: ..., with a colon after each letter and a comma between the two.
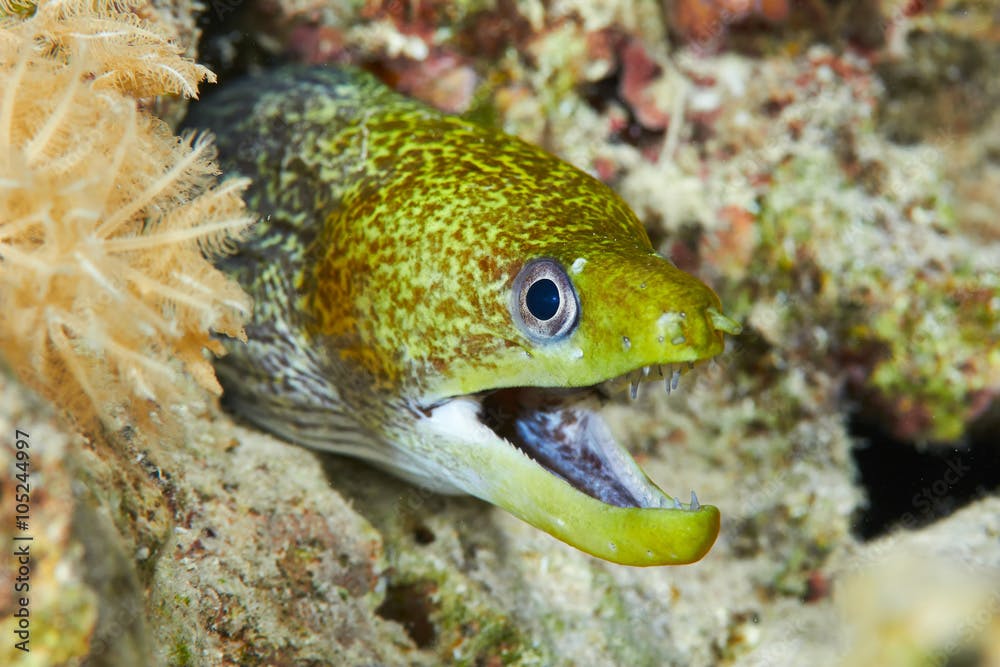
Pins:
x: 546, y: 456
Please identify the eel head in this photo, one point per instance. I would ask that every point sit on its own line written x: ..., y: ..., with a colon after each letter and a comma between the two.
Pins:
x: 521, y: 427
x: 527, y: 286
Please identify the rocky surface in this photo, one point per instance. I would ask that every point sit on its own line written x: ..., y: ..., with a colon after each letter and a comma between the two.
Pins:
x: 864, y: 263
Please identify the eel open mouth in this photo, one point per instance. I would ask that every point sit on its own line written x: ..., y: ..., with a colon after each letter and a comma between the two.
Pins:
x: 546, y: 456
x: 562, y: 430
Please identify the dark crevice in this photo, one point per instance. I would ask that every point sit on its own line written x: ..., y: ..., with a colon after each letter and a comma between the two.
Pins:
x: 910, y: 487
x: 234, y: 38
x: 423, y: 535
x: 412, y: 606
x: 599, y: 94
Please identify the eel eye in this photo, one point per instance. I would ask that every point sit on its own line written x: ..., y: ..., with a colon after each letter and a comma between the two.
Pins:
x: 545, y: 304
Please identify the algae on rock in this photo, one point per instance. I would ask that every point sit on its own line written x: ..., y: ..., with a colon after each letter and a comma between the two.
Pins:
x: 862, y: 274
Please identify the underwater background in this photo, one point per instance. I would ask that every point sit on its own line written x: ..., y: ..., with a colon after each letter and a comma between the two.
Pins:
x: 831, y: 168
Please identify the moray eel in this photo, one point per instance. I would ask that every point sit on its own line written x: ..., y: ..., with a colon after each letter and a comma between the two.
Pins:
x: 448, y: 302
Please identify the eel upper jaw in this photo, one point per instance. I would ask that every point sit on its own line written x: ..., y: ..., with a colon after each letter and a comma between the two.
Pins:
x: 547, y: 456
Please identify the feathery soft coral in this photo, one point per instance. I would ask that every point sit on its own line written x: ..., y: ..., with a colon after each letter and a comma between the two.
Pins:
x: 106, y: 217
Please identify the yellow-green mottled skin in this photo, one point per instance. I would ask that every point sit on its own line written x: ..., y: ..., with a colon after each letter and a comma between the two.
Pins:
x: 382, y: 273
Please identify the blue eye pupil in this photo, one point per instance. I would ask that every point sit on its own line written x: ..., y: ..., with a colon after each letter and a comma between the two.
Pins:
x: 542, y: 299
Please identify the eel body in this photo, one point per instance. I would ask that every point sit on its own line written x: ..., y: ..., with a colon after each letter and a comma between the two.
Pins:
x: 448, y: 302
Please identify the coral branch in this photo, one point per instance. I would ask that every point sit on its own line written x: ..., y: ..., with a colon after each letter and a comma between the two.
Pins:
x: 107, y: 219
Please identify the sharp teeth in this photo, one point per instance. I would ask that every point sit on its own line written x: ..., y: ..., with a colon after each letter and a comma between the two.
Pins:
x: 695, y: 505
x: 671, y: 374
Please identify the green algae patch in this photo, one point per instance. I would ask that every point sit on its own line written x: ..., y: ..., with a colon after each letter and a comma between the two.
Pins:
x: 180, y: 654
x: 432, y: 544
x: 927, y: 324
x: 880, y: 276
x: 626, y: 640
x: 938, y: 358
x: 442, y: 612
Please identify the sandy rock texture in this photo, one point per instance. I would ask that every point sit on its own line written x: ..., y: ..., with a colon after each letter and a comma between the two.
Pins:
x: 796, y: 169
